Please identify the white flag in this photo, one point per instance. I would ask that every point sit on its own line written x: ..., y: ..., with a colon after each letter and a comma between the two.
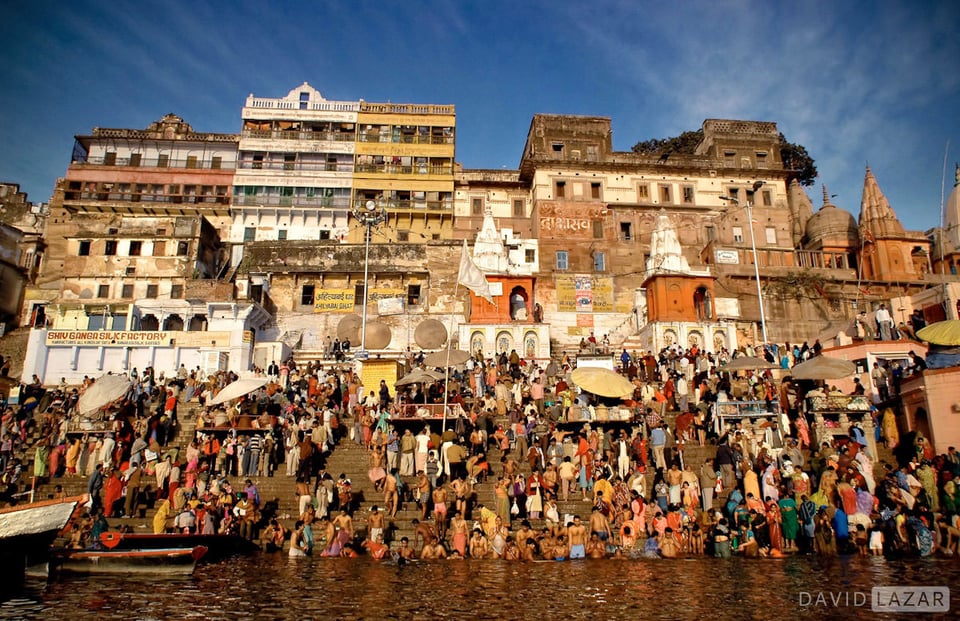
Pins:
x: 472, y: 278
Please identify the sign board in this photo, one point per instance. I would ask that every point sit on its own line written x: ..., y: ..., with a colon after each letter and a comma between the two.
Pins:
x: 333, y: 301
x: 496, y: 288
x: 727, y: 257
x: 108, y: 338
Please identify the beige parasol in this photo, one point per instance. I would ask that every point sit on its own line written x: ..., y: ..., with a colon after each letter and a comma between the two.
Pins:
x: 823, y: 368
x: 440, y: 359
x: 748, y: 363
x: 103, y: 392
x: 239, y: 388
x: 419, y: 376
x: 603, y: 382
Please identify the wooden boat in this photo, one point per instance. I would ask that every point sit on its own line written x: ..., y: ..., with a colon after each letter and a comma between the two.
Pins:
x: 26, y: 532
x: 158, y: 562
x: 218, y: 546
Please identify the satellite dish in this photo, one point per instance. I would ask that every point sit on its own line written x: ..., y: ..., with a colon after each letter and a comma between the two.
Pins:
x: 378, y: 335
x: 349, y: 328
x: 430, y: 334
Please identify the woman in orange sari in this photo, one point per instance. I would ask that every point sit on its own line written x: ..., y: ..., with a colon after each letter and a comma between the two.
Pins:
x: 775, y: 520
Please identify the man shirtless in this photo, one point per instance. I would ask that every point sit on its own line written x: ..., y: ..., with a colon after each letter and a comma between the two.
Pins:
x: 390, y: 497
x: 433, y: 550
x: 422, y: 493
x: 460, y: 532
x: 405, y: 551
x: 479, y: 546
x: 461, y: 492
x: 523, y: 535
x: 600, y: 526
x: 422, y: 532
x: 596, y: 548
x: 375, y: 524
x: 440, y: 510
x: 669, y: 547
x: 568, y: 474
x: 511, y: 552
x: 577, y: 533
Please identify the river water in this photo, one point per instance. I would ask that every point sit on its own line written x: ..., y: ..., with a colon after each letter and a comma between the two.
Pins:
x: 276, y: 587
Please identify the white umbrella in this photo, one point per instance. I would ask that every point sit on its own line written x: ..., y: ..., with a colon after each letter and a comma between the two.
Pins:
x: 103, y: 392
x: 419, y: 376
x: 238, y: 389
x: 823, y: 368
x: 603, y: 382
x: 440, y: 358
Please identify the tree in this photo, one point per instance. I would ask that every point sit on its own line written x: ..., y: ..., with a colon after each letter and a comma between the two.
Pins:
x: 796, y: 161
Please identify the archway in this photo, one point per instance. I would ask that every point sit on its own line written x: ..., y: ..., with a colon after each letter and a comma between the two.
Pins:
x: 198, y: 323
x: 504, y: 342
x: 518, y: 304
x: 476, y: 344
x: 149, y: 323
x: 703, y: 302
x: 173, y: 323
x: 530, y: 343
x: 921, y: 423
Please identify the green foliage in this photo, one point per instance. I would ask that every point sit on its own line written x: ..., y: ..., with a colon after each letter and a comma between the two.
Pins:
x: 798, y: 161
x: 686, y: 143
x: 795, y: 158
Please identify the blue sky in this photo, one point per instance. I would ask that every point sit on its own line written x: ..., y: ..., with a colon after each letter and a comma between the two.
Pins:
x: 855, y: 82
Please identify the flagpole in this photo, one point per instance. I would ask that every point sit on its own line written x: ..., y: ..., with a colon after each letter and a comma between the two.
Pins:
x: 446, y: 367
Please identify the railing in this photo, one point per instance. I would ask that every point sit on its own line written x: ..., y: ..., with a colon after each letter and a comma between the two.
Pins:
x: 388, y: 137
x: 157, y: 163
x: 404, y: 205
x: 302, y: 166
x: 336, y: 202
x: 296, y: 134
x: 142, y: 197
x: 749, y: 413
x: 286, y: 104
x: 394, y: 169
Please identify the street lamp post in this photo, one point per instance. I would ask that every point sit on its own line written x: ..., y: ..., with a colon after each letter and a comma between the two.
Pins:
x: 753, y: 246
x: 371, y: 214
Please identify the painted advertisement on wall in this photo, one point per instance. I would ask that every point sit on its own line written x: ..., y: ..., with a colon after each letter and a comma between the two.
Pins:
x: 584, y: 293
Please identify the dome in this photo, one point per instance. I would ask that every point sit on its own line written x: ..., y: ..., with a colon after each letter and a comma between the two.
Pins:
x: 832, y: 225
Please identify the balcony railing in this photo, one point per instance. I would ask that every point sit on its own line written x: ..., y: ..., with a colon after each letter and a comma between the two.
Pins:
x: 392, y: 108
x: 301, y: 166
x: 387, y: 137
x: 395, y: 169
x: 156, y: 163
x: 134, y: 197
x: 327, y: 202
x: 412, y: 205
x: 279, y: 134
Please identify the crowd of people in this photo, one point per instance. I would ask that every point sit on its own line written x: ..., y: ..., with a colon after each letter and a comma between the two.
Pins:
x: 755, y: 497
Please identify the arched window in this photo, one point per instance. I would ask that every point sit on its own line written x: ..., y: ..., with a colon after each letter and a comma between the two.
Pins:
x: 149, y: 323
x: 518, y: 304
x: 198, y: 323
x: 173, y: 323
x: 703, y: 302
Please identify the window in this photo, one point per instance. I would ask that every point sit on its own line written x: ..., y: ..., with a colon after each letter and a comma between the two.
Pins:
x: 643, y: 192
x: 152, y: 291
x: 476, y: 206
x: 737, y: 234
x: 110, y: 158
x: 159, y: 248
x: 103, y: 291
x: 307, y: 294
x: 733, y: 193
x: 84, y: 249
x: 557, y: 148
x: 413, y: 295
x: 403, y: 236
x: 282, y: 234
x: 110, y: 248
x: 191, y: 161
x: 599, y: 262
x: 771, y: 236
x: 324, y: 234
x: 131, y: 271
x: 127, y: 291
x: 176, y: 292
x: 561, y: 189
x: 249, y: 234
x: 594, y: 190
x: 761, y: 159
x: 304, y: 100
x: 729, y: 157
x: 216, y: 162
x: 258, y: 160
x: 358, y: 294
x: 135, y: 248
x: 687, y: 195
x: 625, y: 231
x: 711, y: 233
x: 598, y: 229
x: 563, y: 260
x: 135, y: 159
x: 530, y: 255
x: 767, y: 198
x: 289, y: 162
x: 519, y: 209
x: 183, y: 248
x: 163, y: 160
x: 665, y: 195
